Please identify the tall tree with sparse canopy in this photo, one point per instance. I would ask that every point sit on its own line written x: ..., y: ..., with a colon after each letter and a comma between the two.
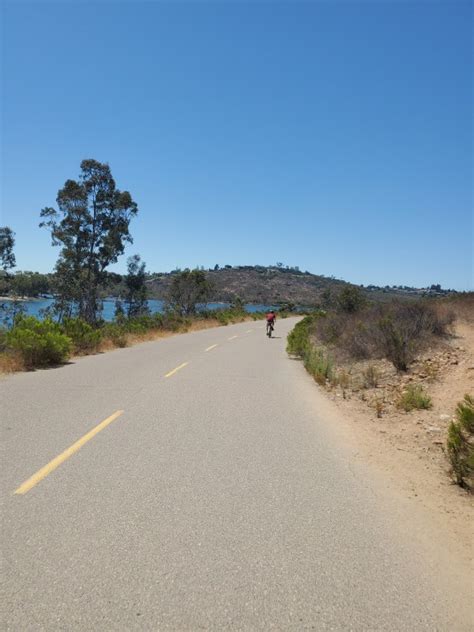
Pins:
x: 7, y: 260
x: 7, y: 242
x: 188, y: 288
x: 92, y: 227
x: 136, y: 294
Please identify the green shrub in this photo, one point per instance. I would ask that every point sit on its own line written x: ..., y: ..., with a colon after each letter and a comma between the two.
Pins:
x: 39, y: 343
x: 316, y: 362
x: 414, y: 398
x: 84, y: 336
x: 116, y: 333
x: 318, y: 365
x: 350, y: 300
x: 460, y: 444
x: 3, y: 340
x: 298, y: 341
x: 223, y: 317
x: 174, y: 322
x: 143, y: 323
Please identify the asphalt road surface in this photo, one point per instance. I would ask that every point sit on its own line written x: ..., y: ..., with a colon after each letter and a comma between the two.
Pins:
x: 215, y: 496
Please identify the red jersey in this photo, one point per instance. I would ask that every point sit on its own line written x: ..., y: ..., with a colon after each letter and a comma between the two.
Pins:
x: 270, y: 317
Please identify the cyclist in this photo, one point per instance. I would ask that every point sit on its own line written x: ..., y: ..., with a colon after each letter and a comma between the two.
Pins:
x: 271, y: 317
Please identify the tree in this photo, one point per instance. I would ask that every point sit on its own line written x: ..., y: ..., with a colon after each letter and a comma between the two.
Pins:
x: 188, y: 288
x: 136, y: 293
x: 92, y: 227
x: 11, y: 310
x: 326, y: 298
x: 350, y: 300
x: 238, y: 304
x: 7, y: 242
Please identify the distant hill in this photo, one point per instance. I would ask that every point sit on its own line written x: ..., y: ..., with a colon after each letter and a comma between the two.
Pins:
x: 259, y: 284
x: 279, y: 284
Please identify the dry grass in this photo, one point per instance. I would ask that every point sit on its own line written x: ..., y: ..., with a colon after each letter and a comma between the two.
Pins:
x: 209, y: 323
x: 11, y: 363
x: 130, y: 339
x: 461, y: 306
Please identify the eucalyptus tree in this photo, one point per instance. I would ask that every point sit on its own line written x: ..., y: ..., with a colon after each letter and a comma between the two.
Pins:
x: 91, y: 225
x: 136, y: 290
x: 7, y: 259
x: 187, y: 290
x: 7, y: 243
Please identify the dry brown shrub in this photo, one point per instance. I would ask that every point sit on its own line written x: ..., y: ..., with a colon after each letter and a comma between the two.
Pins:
x: 371, y: 377
x: 462, y: 307
x: 11, y: 363
x: 397, y: 331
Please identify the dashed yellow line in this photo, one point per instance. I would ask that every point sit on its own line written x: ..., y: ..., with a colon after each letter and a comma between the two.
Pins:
x: 211, y: 347
x: 178, y: 368
x: 232, y: 338
x: 56, y: 462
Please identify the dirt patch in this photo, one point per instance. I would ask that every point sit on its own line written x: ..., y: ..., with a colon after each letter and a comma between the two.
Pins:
x: 409, y: 448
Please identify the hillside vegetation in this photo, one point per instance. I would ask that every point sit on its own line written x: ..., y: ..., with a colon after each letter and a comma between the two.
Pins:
x: 281, y: 285
x: 259, y: 284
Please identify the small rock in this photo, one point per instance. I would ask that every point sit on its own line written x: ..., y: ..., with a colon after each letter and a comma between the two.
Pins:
x: 437, y: 442
x: 433, y: 429
x: 444, y: 417
x: 456, y: 361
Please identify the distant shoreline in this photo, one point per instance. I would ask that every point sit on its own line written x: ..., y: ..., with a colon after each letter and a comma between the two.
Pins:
x: 20, y: 299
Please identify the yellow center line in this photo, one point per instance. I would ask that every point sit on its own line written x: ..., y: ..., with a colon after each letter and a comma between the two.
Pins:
x: 211, y: 347
x: 232, y: 337
x: 56, y: 462
x: 178, y: 368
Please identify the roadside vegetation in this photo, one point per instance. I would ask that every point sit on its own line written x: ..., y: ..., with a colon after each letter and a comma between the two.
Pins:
x: 414, y: 398
x: 391, y: 357
x: 33, y: 343
x: 460, y: 444
x: 356, y: 330
x: 352, y: 344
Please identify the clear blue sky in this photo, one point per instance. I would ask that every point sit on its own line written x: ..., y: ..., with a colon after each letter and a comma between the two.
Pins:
x: 336, y: 136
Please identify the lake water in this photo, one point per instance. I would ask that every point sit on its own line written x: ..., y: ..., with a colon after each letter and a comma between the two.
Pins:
x: 37, y: 306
